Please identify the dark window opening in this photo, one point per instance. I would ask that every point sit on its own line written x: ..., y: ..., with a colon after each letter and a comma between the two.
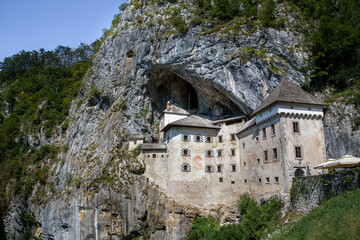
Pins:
x: 267, y: 180
x: 264, y: 133
x: 232, y: 152
x: 259, y: 180
x: 232, y: 182
x: 233, y: 137
x: 197, y: 139
x: 296, y: 127
x: 245, y: 181
x: 273, y: 130
x: 154, y: 155
x: 266, y: 157
x: 275, y: 154
x: 186, y: 138
x: 220, y: 153
x: 298, y: 152
x: 244, y: 163
x: 276, y: 179
x: 220, y: 139
x: 258, y: 160
x: 221, y: 179
x: 233, y: 168
x: 299, y: 173
x: 208, y: 139
x: 219, y: 168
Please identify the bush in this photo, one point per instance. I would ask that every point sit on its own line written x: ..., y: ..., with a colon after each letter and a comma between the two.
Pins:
x: 255, y: 219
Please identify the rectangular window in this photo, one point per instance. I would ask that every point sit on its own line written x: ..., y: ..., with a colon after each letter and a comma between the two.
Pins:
x: 154, y: 155
x: 264, y: 133
x: 185, y: 152
x: 298, y: 152
x: 266, y: 157
x: 220, y: 139
x: 257, y: 139
x: 208, y: 139
x: 258, y: 160
x: 275, y: 154
x: 221, y: 179
x: 186, y: 138
x: 296, y: 127
x: 273, y: 130
x: 185, y: 168
x: 267, y: 180
x: 233, y: 152
x: 209, y: 168
x: 276, y: 179
x: 245, y: 180
x: 259, y: 180
x: 233, y: 168
x: 232, y: 182
x: 219, y: 153
x: 233, y: 137
x: 244, y: 163
x: 219, y: 168
x: 209, y: 153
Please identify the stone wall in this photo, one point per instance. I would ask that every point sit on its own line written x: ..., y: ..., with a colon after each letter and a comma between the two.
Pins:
x: 309, y: 192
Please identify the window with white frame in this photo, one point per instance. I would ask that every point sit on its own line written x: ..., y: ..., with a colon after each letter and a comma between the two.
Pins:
x: 209, y: 153
x: 267, y: 180
x: 219, y: 168
x: 185, y: 138
x: 197, y: 138
x: 209, y: 139
x: 219, y: 153
x: 276, y: 179
x: 185, y: 152
x: 209, y: 168
x: 185, y: 168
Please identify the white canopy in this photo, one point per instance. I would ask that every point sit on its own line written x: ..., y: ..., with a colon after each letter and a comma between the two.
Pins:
x: 343, y: 162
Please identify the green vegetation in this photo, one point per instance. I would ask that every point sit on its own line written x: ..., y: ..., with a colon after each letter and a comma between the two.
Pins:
x: 37, y: 90
x: 255, y: 220
x: 334, y: 39
x: 337, y: 218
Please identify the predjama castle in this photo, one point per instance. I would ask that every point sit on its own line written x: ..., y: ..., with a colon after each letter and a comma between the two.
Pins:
x: 208, y: 163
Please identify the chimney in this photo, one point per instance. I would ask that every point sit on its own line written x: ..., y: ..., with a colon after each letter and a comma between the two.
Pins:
x: 168, y: 106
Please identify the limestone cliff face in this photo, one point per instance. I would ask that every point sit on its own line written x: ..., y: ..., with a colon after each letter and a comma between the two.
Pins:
x: 100, y: 192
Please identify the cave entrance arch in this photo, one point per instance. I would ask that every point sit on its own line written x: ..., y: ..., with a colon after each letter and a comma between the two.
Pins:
x: 197, y: 96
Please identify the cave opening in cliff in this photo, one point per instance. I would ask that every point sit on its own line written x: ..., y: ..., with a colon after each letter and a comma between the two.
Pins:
x: 193, y: 95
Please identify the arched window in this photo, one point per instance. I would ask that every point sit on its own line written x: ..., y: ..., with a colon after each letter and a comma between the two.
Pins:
x: 299, y: 173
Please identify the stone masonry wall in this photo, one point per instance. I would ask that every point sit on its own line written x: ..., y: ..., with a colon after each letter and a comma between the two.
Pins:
x: 309, y: 192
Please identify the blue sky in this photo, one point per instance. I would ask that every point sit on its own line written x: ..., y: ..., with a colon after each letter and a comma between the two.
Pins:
x: 34, y: 24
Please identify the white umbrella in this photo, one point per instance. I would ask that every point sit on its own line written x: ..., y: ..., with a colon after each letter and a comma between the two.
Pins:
x: 348, y: 161
x: 343, y: 162
x: 328, y: 164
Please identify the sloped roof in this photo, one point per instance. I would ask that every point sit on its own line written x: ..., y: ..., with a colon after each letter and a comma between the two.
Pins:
x: 288, y: 92
x: 192, y: 121
x: 177, y: 110
x: 248, y: 124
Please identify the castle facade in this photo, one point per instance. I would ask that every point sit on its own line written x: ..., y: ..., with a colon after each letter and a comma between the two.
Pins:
x: 211, y: 163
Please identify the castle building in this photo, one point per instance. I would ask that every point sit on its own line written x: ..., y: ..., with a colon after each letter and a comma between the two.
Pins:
x: 206, y: 162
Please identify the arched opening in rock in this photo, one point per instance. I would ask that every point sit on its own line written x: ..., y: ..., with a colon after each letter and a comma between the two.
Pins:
x: 195, y: 96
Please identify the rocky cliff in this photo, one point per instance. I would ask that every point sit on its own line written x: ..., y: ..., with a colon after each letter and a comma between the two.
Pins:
x: 98, y: 190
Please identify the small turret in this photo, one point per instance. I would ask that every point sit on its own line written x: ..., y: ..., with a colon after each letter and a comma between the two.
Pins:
x: 168, y: 106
